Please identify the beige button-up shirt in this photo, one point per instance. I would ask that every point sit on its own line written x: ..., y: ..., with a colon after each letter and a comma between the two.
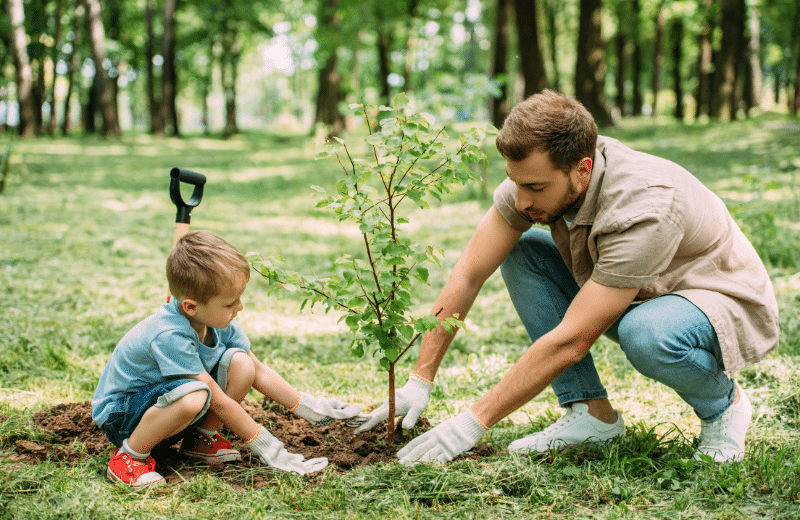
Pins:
x: 648, y: 223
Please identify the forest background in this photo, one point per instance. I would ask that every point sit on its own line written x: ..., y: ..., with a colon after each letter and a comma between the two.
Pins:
x: 172, y: 67
x: 242, y: 92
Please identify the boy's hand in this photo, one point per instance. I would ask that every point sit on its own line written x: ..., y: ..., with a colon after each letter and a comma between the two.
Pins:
x: 321, y: 411
x: 272, y: 453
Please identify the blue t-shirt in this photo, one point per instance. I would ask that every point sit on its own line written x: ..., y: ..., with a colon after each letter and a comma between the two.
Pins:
x: 161, y: 347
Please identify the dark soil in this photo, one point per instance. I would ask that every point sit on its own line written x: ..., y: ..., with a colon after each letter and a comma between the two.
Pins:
x: 77, y: 437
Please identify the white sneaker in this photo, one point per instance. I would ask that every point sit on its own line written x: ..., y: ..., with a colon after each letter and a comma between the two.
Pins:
x: 723, y: 439
x: 573, y: 428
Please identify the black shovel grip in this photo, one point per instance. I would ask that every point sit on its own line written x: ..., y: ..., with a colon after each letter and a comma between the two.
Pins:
x: 179, y: 175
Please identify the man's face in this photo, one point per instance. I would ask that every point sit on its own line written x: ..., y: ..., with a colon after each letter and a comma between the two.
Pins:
x: 544, y: 192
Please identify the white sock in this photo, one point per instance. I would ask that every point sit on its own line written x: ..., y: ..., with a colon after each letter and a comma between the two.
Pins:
x: 133, y: 453
x: 209, y: 433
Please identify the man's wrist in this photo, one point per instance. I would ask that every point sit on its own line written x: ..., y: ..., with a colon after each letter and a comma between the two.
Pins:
x: 421, y: 378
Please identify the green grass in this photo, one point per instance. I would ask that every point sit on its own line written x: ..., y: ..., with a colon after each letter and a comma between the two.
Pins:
x: 86, y: 225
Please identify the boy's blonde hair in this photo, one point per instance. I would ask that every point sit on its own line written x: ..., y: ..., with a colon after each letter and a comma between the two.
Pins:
x: 201, y: 264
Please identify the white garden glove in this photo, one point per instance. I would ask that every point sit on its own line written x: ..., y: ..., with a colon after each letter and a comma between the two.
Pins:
x: 272, y: 453
x: 321, y: 411
x: 411, y: 401
x: 445, y: 442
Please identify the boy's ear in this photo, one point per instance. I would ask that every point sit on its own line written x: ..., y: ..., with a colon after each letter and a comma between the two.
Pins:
x: 188, y: 306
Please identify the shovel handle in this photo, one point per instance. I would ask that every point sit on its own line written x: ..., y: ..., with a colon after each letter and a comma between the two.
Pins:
x: 178, y: 175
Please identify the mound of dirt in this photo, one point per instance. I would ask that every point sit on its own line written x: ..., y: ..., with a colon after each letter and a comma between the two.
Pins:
x: 76, y: 436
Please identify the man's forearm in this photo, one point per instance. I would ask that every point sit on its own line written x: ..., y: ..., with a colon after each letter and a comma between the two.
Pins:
x: 541, y: 364
x: 456, y: 299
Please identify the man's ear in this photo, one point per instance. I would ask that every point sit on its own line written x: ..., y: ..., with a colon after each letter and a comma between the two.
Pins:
x: 188, y: 307
x: 585, y: 170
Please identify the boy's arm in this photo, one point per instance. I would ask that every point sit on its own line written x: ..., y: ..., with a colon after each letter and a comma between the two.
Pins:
x: 229, y: 411
x: 317, y: 411
x: 272, y: 385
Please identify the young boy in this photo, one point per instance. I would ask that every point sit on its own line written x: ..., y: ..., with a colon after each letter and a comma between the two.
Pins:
x: 182, y: 372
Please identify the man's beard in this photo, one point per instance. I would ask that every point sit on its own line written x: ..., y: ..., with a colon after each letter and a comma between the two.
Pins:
x: 567, y: 204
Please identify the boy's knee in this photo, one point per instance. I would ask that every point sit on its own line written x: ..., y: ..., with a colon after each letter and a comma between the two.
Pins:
x: 194, y: 403
x: 242, y: 368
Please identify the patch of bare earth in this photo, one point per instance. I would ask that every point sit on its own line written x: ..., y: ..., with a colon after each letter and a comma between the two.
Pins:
x: 76, y: 437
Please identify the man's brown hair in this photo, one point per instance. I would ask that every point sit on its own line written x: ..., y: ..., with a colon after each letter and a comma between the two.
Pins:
x: 201, y: 264
x: 549, y: 122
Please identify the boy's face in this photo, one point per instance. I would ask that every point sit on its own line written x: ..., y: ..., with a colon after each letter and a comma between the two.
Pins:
x: 218, y: 312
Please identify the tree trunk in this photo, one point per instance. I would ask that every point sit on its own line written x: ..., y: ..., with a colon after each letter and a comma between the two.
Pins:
x: 590, y: 68
x: 796, y: 100
x: 677, y: 56
x: 755, y: 74
x: 169, y: 87
x: 329, y: 91
x: 97, y: 38
x: 54, y: 56
x: 703, y: 92
x: 530, y: 50
x: 228, y: 65
x: 154, y: 107
x: 22, y: 64
x: 637, y: 98
x: 658, y: 57
x: 498, y: 108
x: 621, y: 44
x: 552, y: 39
x: 72, y: 65
x: 383, y: 65
x: 730, y: 56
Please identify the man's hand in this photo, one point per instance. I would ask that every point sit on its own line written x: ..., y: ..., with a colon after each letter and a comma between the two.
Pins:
x: 445, y: 442
x: 321, y: 411
x: 272, y: 453
x: 411, y: 401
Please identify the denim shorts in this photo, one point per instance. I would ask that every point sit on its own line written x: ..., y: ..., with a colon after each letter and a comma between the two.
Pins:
x: 129, y: 408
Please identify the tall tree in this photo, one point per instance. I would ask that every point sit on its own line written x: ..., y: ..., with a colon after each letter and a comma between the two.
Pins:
x: 658, y: 55
x: 676, y: 36
x: 754, y: 71
x: 590, y: 66
x: 498, y: 108
x: 54, y: 58
x: 329, y: 89
x: 24, y: 74
x: 169, y: 72
x: 153, y: 103
x: 704, y: 59
x: 637, y: 101
x: 105, y: 93
x: 729, y: 58
x: 72, y: 60
x: 551, y: 15
x: 530, y: 49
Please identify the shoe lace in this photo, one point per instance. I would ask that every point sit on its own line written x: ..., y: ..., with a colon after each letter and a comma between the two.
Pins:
x: 565, y: 419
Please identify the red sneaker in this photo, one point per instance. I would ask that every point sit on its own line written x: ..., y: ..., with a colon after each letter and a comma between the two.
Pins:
x: 210, y: 449
x: 133, y: 472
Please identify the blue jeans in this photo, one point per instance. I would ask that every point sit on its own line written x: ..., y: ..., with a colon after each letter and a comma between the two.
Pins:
x: 667, y: 339
x: 129, y: 408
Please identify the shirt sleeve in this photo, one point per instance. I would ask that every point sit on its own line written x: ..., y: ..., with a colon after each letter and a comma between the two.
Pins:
x: 505, y: 200
x: 640, y: 248
x: 176, y: 355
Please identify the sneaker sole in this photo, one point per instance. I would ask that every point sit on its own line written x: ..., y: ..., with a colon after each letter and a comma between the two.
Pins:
x: 113, y: 478
x: 225, y: 457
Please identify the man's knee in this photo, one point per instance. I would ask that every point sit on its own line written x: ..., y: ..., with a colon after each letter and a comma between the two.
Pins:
x: 535, y: 243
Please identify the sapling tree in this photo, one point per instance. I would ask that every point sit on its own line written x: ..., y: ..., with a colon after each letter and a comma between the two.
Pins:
x: 408, y: 160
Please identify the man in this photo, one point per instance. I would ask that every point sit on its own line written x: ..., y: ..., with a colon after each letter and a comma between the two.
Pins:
x: 638, y: 249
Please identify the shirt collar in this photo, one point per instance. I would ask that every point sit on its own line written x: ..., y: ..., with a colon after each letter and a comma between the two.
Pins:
x: 588, y: 210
